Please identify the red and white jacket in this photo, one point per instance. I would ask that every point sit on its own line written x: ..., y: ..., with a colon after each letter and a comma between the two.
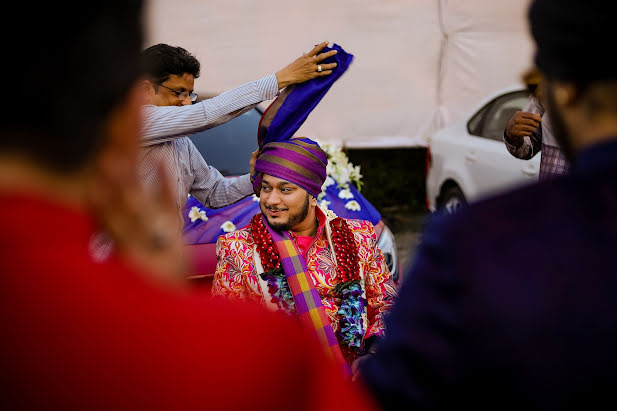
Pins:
x: 237, y: 278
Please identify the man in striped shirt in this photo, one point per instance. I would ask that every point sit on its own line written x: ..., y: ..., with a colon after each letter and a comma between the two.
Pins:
x: 170, y: 115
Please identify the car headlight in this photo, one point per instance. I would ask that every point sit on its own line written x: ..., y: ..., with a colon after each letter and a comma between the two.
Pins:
x: 387, y: 245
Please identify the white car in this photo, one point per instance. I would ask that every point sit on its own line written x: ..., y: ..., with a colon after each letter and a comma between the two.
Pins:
x: 469, y: 160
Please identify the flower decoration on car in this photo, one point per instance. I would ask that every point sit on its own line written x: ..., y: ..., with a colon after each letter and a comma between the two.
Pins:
x: 353, y: 205
x: 345, y: 194
x: 329, y: 181
x: 197, y: 214
x: 339, y: 167
x: 228, y: 227
x: 341, y: 171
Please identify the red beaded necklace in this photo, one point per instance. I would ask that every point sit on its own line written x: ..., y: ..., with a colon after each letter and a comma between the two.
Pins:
x: 342, y: 241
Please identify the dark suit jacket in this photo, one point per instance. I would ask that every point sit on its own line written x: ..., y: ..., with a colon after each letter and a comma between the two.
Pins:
x: 512, y: 303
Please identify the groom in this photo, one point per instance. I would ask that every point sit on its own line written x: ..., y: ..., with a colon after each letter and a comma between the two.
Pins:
x: 293, y: 257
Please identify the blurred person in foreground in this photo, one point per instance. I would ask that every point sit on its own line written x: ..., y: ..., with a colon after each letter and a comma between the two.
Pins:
x: 530, y: 132
x: 312, y: 265
x: 78, y: 334
x: 171, y: 112
x: 512, y: 303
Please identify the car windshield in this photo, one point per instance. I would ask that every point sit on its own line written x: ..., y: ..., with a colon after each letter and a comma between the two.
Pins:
x: 228, y: 147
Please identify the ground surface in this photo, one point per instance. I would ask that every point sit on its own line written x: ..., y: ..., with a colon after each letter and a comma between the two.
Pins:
x: 406, y: 227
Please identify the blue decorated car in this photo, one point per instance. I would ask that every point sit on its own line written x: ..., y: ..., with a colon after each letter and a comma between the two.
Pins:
x: 227, y: 148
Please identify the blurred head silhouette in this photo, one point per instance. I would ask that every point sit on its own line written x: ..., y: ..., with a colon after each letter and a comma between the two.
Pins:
x: 575, y: 41
x: 79, y: 69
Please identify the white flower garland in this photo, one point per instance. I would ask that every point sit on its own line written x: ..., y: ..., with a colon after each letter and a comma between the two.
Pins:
x: 340, y: 169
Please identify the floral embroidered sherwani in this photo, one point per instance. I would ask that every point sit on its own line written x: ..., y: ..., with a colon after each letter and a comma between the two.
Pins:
x: 236, y: 276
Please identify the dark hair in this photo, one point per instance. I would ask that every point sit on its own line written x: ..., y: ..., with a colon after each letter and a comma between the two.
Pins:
x: 160, y: 61
x: 77, y: 69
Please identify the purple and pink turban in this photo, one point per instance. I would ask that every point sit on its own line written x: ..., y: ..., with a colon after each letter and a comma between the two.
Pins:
x: 300, y: 161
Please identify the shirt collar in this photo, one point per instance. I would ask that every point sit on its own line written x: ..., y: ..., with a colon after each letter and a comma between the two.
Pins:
x: 321, y: 222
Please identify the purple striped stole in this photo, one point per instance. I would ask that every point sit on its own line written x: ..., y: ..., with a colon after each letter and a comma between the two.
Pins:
x: 306, y: 297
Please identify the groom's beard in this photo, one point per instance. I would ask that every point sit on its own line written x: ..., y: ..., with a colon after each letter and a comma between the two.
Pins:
x: 292, y: 220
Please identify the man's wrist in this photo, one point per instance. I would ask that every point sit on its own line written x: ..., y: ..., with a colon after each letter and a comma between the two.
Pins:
x: 282, y: 82
x: 513, y: 142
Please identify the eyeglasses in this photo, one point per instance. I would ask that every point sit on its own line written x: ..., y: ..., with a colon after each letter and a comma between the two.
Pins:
x: 181, y: 94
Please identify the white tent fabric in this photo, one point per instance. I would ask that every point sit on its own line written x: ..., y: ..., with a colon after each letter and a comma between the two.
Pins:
x: 419, y: 64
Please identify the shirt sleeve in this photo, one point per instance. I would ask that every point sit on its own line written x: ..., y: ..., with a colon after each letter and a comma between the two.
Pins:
x: 380, y: 289
x: 165, y: 123
x: 210, y: 187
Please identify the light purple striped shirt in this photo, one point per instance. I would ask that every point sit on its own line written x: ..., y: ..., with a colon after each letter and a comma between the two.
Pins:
x: 164, y: 131
x: 164, y: 140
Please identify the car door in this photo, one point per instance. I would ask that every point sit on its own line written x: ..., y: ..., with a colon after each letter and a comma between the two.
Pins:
x: 491, y: 167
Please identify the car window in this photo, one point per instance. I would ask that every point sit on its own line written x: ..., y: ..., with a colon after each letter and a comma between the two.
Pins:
x: 477, y: 121
x: 228, y: 147
x: 499, y: 112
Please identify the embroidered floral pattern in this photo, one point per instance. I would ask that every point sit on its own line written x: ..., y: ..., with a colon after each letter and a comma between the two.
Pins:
x: 236, y: 275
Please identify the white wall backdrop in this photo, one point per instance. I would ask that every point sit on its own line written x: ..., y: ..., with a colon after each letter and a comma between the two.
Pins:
x: 419, y: 64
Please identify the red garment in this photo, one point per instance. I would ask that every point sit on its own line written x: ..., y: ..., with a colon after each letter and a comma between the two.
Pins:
x: 303, y: 241
x: 83, y: 335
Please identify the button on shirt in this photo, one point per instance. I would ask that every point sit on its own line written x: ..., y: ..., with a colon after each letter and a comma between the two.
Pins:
x: 164, y: 141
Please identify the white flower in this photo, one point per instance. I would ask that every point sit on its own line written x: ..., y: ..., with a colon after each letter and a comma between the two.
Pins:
x: 255, y: 198
x: 324, y: 204
x: 228, y: 227
x: 345, y: 194
x: 355, y: 173
x: 353, y: 205
x: 330, y: 215
x: 329, y: 181
x: 197, y: 214
x: 341, y: 174
x: 339, y: 167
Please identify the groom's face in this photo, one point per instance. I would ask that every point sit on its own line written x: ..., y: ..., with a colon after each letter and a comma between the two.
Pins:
x: 284, y: 204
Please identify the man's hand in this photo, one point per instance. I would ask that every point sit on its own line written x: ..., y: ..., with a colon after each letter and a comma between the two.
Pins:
x: 252, y: 162
x: 306, y: 67
x: 522, y: 124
